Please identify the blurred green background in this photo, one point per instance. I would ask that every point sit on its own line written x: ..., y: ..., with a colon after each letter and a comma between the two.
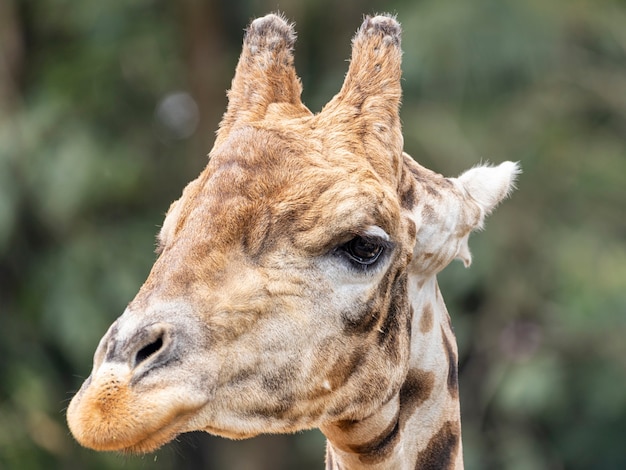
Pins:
x: 108, y: 108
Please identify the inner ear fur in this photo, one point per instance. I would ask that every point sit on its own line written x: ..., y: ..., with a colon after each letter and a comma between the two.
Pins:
x: 490, y: 185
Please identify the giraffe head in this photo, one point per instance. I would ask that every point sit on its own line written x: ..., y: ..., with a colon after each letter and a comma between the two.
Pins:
x: 278, y: 301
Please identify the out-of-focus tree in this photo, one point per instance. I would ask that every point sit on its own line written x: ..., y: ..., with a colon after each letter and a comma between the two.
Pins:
x: 108, y: 108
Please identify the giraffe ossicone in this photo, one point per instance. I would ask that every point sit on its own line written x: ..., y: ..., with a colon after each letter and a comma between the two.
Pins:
x: 295, y: 285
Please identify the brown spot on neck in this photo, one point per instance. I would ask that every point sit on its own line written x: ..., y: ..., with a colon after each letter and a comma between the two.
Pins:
x: 441, y: 451
x: 427, y: 318
x: 415, y: 390
x: 379, y: 448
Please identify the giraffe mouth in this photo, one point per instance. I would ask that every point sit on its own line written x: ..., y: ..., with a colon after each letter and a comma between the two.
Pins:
x: 107, y: 414
x: 139, y: 439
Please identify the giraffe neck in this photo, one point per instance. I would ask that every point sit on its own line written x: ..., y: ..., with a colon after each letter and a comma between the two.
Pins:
x: 419, y: 428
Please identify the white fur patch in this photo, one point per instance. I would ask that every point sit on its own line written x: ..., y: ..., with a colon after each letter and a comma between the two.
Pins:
x: 489, y: 185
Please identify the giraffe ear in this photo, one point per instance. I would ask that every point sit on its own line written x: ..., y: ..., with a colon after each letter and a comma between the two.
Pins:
x: 265, y: 73
x: 486, y: 187
x: 489, y: 185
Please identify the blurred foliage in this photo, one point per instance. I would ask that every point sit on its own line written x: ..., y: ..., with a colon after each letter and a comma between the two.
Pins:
x: 108, y: 108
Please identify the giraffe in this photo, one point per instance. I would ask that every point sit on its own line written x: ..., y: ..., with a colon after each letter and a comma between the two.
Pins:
x: 295, y: 284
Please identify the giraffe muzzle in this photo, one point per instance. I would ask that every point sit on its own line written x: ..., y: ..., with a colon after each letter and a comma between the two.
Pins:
x: 111, y: 412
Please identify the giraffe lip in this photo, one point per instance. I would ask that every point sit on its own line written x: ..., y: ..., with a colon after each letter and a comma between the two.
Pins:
x: 156, y: 439
x: 147, y: 443
x: 108, y: 415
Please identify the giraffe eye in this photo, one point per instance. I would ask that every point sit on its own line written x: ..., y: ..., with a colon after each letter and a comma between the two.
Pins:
x: 363, y: 251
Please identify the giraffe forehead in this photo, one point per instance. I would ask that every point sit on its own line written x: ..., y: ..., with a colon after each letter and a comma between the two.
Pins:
x: 263, y: 186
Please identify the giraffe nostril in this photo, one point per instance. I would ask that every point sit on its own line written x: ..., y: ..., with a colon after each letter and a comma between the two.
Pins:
x: 149, y: 350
